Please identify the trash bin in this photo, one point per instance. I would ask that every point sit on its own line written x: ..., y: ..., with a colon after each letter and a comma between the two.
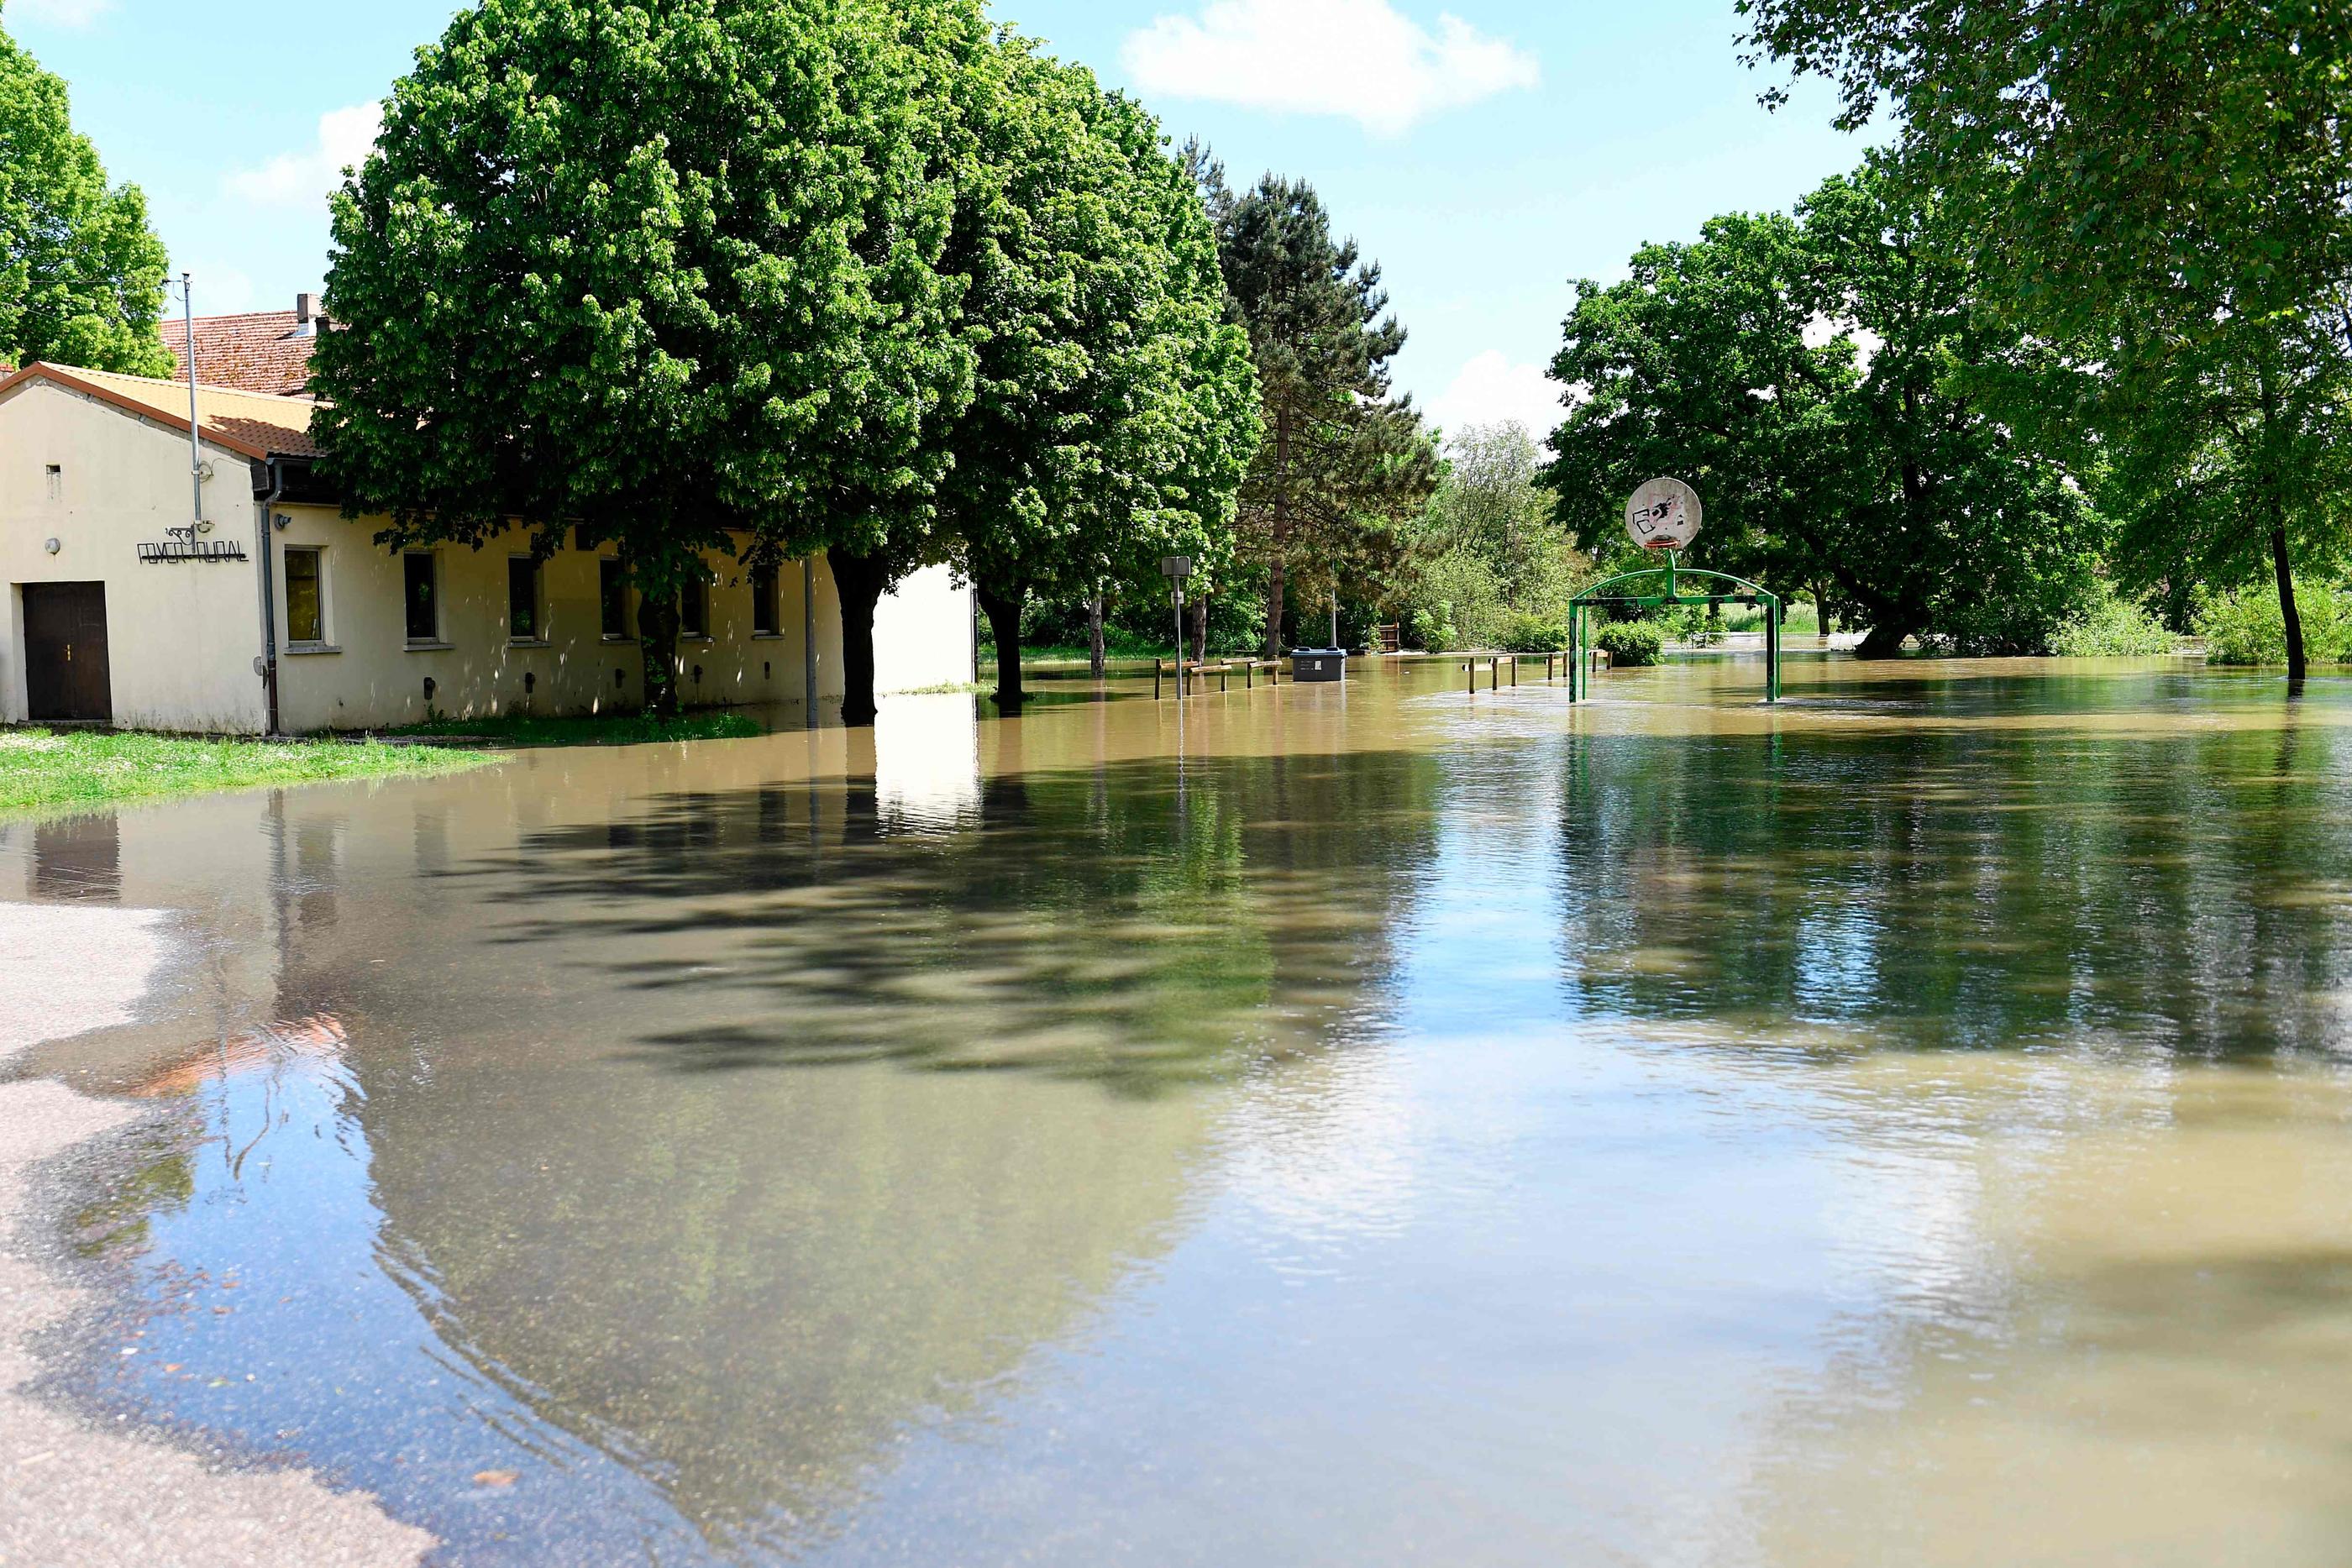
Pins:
x: 1314, y: 665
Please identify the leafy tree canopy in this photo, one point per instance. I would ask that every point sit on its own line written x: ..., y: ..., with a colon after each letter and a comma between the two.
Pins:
x: 1114, y: 410
x: 660, y: 271
x: 81, y: 274
x: 2103, y: 149
x: 1812, y: 377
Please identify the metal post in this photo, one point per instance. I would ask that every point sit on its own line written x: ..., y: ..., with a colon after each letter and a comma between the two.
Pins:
x: 1156, y: 664
x: 1772, y: 650
x: 808, y: 638
x: 195, y: 451
x: 1179, y: 592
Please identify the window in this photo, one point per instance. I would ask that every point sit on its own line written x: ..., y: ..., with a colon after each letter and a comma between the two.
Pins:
x: 523, y: 625
x: 612, y: 593
x: 423, y: 593
x: 306, y: 608
x: 57, y: 482
x: 764, y: 620
x: 694, y: 609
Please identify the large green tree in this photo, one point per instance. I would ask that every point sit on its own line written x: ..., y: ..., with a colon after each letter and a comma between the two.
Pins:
x: 664, y: 272
x: 1812, y: 377
x: 81, y: 274
x: 2168, y: 181
x: 1491, y: 547
x: 1345, y: 466
x: 1115, y: 413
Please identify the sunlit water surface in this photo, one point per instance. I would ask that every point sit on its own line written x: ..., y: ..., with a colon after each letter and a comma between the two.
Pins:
x: 1374, y: 1126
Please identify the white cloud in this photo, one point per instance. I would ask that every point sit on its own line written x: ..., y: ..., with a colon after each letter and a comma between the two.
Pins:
x: 1358, y: 60
x: 293, y: 179
x: 1491, y: 390
x: 61, y: 13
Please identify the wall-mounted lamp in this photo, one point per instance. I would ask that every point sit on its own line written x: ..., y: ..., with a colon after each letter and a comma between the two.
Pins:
x: 698, y: 675
x: 429, y: 688
x: 766, y: 669
x: 53, y: 546
x: 284, y: 520
x: 619, y: 677
x: 530, y: 681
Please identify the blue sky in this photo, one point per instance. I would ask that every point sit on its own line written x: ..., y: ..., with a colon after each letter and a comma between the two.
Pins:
x: 1486, y: 152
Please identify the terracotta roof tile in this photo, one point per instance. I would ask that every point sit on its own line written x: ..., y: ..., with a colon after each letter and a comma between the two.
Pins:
x: 266, y: 351
x: 252, y: 422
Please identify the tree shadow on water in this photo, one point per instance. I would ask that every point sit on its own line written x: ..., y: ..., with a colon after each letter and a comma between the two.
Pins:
x: 1137, y: 925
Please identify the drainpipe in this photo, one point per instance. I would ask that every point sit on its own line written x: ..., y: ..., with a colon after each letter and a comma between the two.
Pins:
x: 808, y: 632
x: 269, y: 661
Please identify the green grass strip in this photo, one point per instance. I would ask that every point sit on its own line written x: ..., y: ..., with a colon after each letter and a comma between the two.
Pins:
x: 42, y: 773
x: 616, y: 730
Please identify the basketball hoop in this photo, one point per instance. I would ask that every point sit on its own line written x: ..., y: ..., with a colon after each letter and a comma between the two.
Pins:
x: 1663, y: 514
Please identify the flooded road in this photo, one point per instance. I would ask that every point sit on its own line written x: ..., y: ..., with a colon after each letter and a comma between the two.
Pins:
x: 1379, y: 1126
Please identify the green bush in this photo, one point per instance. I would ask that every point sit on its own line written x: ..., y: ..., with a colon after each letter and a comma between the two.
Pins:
x: 1430, y: 629
x: 2243, y: 625
x: 1631, y: 643
x: 2108, y: 627
x: 1534, y: 635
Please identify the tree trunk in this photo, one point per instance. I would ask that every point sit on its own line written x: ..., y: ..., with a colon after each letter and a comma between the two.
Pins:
x: 1821, y: 609
x: 1002, y: 605
x: 860, y: 582
x: 1095, y: 636
x: 1274, y: 607
x: 2296, y: 666
x: 1275, y: 585
x: 1196, y: 620
x: 657, y: 621
x: 1885, y: 638
x: 2290, y: 617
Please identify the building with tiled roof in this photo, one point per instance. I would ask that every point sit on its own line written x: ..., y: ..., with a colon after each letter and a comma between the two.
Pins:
x: 173, y: 572
x: 261, y: 351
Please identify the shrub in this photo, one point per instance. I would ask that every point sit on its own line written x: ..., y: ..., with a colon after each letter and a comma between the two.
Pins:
x: 1430, y: 629
x: 1534, y: 635
x: 1631, y: 643
x: 2108, y: 627
x: 2243, y: 625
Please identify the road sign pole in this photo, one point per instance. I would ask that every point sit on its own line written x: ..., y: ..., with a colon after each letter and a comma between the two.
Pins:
x: 1176, y: 569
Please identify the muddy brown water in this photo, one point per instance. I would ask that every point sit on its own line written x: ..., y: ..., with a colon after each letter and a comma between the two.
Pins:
x: 1376, y: 1126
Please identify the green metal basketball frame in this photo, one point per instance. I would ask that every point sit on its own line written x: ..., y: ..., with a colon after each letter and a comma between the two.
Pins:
x: 1611, y: 593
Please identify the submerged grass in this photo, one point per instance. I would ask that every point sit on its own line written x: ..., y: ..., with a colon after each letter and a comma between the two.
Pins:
x: 613, y: 729
x: 43, y: 772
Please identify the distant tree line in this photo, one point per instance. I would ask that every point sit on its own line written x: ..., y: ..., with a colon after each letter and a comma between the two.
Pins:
x: 2084, y: 331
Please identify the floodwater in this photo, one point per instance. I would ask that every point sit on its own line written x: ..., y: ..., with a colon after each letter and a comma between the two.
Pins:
x: 1363, y: 1126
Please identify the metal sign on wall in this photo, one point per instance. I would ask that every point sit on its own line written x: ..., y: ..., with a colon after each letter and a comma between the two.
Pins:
x: 1664, y: 514
x: 199, y: 549
x: 184, y: 545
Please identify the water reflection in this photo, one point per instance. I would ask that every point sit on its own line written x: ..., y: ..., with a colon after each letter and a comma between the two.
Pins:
x: 1399, y: 1128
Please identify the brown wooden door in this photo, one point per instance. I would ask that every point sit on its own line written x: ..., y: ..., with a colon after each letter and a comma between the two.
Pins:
x: 65, y: 673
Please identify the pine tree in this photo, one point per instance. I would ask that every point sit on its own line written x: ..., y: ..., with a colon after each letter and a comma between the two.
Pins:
x: 1345, y: 465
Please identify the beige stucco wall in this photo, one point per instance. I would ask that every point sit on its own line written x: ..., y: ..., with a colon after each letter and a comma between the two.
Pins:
x: 181, y: 638
x: 369, y: 674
